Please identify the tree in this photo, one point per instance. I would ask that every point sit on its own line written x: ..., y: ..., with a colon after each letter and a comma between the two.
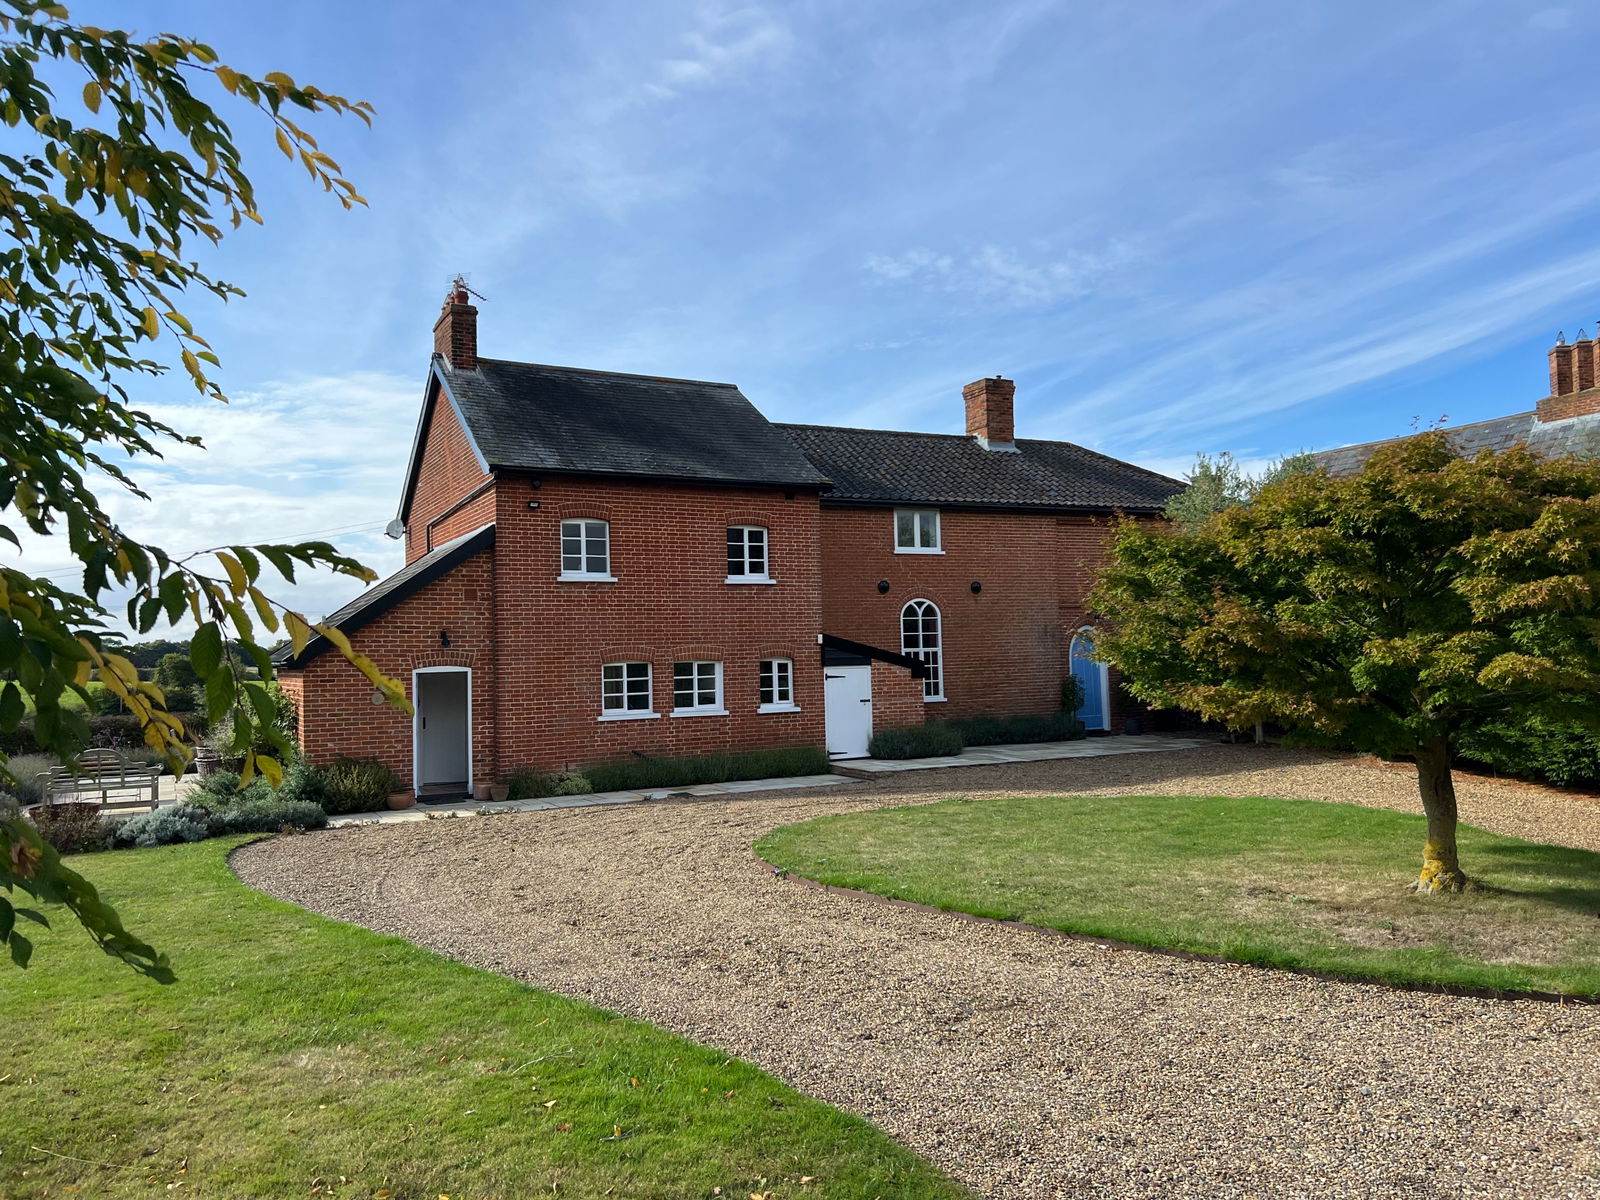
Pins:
x: 104, y: 197
x: 1221, y: 483
x: 1393, y: 610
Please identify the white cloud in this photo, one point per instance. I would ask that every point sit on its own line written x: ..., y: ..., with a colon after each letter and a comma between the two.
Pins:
x: 316, y: 459
x: 1002, y: 277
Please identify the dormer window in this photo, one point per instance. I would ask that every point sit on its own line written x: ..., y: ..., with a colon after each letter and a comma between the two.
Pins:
x: 747, y: 554
x: 916, y: 531
x: 586, y: 550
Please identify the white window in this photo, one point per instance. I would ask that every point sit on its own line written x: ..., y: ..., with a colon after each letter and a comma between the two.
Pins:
x: 697, y: 689
x: 777, y: 686
x: 625, y: 691
x: 920, y: 637
x: 585, y: 550
x: 916, y: 531
x: 747, y: 554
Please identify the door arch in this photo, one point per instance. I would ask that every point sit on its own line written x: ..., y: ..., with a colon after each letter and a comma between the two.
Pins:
x: 1094, y: 678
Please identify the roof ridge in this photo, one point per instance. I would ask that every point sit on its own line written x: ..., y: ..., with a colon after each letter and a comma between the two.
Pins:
x: 512, y: 362
x: 1119, y: 462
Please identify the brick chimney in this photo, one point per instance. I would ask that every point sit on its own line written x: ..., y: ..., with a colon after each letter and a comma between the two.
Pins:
x: 1574, y: 375
x: 989, y: 417
x: 455, y: 333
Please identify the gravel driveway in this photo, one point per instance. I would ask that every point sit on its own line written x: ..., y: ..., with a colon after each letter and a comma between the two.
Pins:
x: 1024, y: 1064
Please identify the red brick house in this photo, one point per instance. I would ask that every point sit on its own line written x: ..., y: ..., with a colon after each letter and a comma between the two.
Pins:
x: 601, y: 564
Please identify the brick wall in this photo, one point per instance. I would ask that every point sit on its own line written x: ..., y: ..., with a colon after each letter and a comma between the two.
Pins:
x: 896, y: 698
x: 1005, y: 646
x: 449, y: 474
x: 337, y: 715
x: 670, y: 603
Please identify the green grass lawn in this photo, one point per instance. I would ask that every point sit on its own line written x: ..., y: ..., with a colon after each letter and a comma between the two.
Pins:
x: 296, y: 1056
x: 1281, y: 883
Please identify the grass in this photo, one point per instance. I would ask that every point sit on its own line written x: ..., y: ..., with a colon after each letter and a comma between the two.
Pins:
x: 1279, y: 883
x: 299, y: 1056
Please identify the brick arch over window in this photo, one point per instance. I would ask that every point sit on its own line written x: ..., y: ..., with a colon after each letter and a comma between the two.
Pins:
x: 446, y: 658
x: 573, y: 509
x: 688, y: 653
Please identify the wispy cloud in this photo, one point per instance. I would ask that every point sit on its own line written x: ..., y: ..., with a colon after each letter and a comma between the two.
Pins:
x: 1001, y: 275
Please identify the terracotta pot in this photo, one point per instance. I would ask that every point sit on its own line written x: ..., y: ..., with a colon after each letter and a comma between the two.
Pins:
x: 480, y: 791
x: 402, y: 799
x: 499, y: 792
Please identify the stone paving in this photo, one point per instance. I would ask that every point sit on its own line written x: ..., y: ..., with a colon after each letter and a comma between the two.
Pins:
x: 853, y: 770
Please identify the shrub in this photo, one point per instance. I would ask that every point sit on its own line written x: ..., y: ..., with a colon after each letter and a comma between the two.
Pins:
x: 164, y: 826
x: 527, y: 783
x: 918, y: 741
x: 303, y: 784
x: 1072, y: 696
x: 635, y: 774
x: 10, y: 806
x: 1029, y: 727
x: 265, y: 816
x: 1565, y: 755
x: 26, y: 769
x: 351, y: 785
x: 73, y: 828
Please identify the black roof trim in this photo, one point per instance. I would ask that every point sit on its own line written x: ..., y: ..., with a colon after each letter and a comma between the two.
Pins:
x: 918, y: 669
x: 388, y: 593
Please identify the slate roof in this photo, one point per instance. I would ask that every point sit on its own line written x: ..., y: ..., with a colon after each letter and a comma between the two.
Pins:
x: 525, y: 416
x: 384, y: 595
x: 1553, y: 439
x: 880, y: 466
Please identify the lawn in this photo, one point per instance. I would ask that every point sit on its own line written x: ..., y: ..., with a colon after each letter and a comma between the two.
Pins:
x: 297, y: 1056
x: 1280, y: 883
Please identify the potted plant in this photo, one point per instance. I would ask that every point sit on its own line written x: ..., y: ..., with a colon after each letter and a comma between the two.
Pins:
x: 402, y: 799
x: 499, y: 792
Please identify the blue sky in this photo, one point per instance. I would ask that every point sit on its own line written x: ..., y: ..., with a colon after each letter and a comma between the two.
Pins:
x: 1180, y: 227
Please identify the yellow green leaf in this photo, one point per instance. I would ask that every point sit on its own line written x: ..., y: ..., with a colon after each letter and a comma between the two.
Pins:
x: 91, y: 96
x: 152, y: 322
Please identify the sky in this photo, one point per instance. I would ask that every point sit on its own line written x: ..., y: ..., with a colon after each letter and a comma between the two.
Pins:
x: 1180, y: 227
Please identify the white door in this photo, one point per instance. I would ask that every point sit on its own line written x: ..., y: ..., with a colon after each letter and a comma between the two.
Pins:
x: 442, y: 727
x: 847, y: 701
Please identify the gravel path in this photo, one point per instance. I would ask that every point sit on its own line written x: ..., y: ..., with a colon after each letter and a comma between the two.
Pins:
x: 1026, y: 1065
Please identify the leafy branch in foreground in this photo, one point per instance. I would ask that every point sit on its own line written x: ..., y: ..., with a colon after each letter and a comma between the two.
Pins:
x: 99, y: 216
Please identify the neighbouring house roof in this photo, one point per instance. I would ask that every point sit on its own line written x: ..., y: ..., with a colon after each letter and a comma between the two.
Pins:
x: 877, y: 466
x: 384, y: 595
x: 524, y: 416
x: 1554, y: 439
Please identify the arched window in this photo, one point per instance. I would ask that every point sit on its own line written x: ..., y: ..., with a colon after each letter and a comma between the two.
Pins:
x: 921, y: 637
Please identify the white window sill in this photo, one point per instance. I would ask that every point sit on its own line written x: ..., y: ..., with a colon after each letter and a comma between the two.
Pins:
x: 698, y: 712
x: 628, y: 716
x: 581, y: 577
x: 934, y: 699
x: 749, y: 579
x: 777, y: 708
x: 915, y: 550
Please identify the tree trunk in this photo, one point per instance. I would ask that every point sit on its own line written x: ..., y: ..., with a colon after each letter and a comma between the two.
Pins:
x: 1441, y: 870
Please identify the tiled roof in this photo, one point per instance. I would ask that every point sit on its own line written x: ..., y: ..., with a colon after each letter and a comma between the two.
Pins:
x: 1551, y: 438
x: 384, y: 595
x: 539, y: 418
x: 882, y: 467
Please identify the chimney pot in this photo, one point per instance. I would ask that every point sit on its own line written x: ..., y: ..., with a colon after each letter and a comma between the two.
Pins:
x: 455, y: 333
x: 989, y: 413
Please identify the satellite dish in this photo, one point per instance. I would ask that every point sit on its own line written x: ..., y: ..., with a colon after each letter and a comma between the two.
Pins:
x: 395, y: 529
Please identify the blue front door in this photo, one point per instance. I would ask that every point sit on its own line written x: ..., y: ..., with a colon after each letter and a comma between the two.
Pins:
x: 1091, y: 677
